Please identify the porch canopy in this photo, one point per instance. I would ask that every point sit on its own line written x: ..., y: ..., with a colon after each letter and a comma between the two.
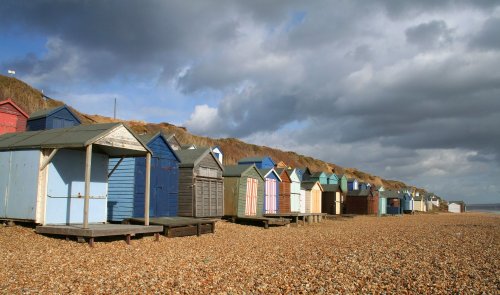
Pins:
x: 114, y: 139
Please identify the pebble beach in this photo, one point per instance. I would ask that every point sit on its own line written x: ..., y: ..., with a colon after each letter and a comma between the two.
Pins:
x: 418, y: 254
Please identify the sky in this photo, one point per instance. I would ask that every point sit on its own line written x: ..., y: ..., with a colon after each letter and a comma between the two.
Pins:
x: 406, y: 90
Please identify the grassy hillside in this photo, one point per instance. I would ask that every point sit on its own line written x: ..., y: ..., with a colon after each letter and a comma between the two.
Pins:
x: 32, y: 100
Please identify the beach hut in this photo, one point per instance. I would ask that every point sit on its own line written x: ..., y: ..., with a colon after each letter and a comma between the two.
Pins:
x: 12, y: 117
x: 201, y: 186
x: 312, y: 196
x: 243, y: 191
x: 331, y: 199
x: 284, y: 190
x: 305, y: 174
x: 456, y: 206
x: 419, y: 202
x: 343, y: 183
x: 321, y: 177
x: 259, y: 162
x: 352, y: 184
x: 126, y: 182
x: 332, y: 178
x: 60, y: 176
x: 394, y: 201
x: 362, y: 202
x: 271, y: 190
x: 296, y: 200
x: 281, y: 164
x: 408, y: 202
x: 58, y: 117
x: 217, y: 151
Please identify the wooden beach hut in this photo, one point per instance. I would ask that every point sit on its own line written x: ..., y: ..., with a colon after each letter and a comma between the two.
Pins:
x: 243, y: 191
x: 259, y: 162
x: 331, y: 199
x: 271, y: 190
x: 12, y: 117
x: 58, y: 117
x: 60, y: 176
x: 456, y: 206
x: 419, y: 203
x: 201, y: 186
x: 408, y: 202
x: 343, y: 183
x: 352, y: 184
x: 393, y: 201
x: 284, y: 198
x: 332, y: 178
x: 321, y: 177
x: 312, y: 192
x: 127, y: 177
x: 295, y: 192
x: 362, y: 202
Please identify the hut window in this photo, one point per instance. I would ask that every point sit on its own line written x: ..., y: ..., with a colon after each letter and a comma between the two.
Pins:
x: 208, y: 172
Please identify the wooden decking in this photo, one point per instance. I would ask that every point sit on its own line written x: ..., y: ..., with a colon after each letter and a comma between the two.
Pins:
x: 265, y: 221
x: 295, y: 217
x: 98, y: 230
x: 180, y: 226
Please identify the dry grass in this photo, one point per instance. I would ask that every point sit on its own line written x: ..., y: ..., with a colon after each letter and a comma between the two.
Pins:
x: 421, y: 254
x: 31, y: 100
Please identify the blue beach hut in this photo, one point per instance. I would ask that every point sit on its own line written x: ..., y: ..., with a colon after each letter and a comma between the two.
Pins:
x: 59, y: 117
x: 126, y: 182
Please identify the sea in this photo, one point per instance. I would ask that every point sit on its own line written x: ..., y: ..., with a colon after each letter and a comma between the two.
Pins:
x: 489, y: 208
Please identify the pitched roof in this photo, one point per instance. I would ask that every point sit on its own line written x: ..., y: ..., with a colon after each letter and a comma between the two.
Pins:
x: 390, y: 194
x: 76, y: 137
x: 239, y: 170
x: 331, y: 187
x: 48, y: 112
x: 11, y: 102
x: 308, y: 185
x: 190, y: 158
x: 254, y: 159
x: 147, y: 138
x: 266, y: 171
x: 317, y: 174
x: 188, y: 146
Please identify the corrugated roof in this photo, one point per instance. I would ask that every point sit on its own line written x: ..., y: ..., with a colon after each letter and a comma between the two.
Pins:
x: 73, y: 137
x: 331, y: 187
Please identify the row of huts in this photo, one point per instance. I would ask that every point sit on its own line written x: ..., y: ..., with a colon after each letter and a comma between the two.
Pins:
x: 62, y: 172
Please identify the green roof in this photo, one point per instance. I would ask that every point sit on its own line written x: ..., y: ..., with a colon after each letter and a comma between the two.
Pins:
x: 78, y: 136
x: 239, y: 170
x: 190, y: 158
x: 308, y: 185
x: 359, y: 193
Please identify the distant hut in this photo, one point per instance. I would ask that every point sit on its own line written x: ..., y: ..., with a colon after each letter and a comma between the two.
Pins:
x: 312, y: 191
x: 243, y: 191
x: 259, y: 162
x: 127, y: 177
x: 271, y: 190
x: 284, y: 190
x: 12, y: 117
x: 331, y: 199
x: 393, y: 201
x: 362, y: 202
x: 352, y: 184
x: 201, y: 186
x: 295, y: 192
x: 59, y: 117
x: 408, y: 202
x: 321, y: 177
x: 342, y: 182
x: 332, y: 178
x: 419, y: 203
x: 456, y: 206
x: 51, y: 176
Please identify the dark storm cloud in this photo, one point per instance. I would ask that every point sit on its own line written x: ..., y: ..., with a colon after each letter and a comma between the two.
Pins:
x: 429, y: 35
x: 489, y: 36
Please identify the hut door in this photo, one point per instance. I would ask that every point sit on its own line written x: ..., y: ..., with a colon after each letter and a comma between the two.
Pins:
x: 251, y: 197
x: 270, y: 204
x: 8, y: 123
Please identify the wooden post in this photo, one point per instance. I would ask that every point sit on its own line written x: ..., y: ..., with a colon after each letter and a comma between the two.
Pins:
x: 88, y: 165
x: 147, y: 188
